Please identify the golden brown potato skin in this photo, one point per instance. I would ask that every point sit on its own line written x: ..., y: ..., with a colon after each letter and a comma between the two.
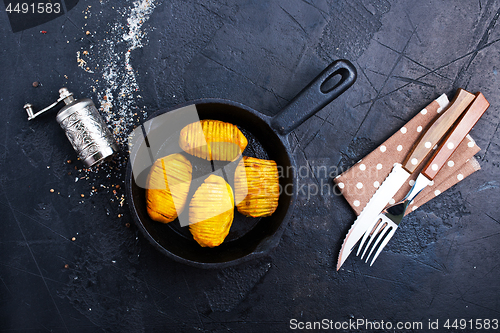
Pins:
x: 213, y: 140
x: 167, y: 187
x: 256, y: 186
x: 211, y: 212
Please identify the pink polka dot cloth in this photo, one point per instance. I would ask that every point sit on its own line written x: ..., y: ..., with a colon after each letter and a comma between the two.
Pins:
x: 360, y: 182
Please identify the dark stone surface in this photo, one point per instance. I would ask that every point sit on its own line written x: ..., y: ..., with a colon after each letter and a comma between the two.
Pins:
x: 442, y: 263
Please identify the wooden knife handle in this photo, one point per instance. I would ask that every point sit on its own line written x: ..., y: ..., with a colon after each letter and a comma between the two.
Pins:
x: 437, y: 130
x: 460, y: 130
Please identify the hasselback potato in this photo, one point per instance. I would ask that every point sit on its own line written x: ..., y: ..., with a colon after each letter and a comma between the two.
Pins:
x: 211, y: 212
x: 213, y: 140
x: 167, y: 187
x: 256, y: 187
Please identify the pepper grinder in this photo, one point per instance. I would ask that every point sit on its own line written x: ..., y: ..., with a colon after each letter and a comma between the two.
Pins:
x: 84, y: 128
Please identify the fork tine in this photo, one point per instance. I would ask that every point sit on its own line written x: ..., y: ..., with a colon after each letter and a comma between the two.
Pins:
x: 366, y: 235
x: 373, y: 233
x: 381, y: 236
x: 383, y: 244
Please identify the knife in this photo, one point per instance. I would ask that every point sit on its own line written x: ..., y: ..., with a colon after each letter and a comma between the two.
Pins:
x: 400, y: 173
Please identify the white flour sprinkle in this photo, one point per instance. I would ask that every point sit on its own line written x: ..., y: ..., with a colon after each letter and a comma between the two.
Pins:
x: 118, y: 93
x: 108, y: 63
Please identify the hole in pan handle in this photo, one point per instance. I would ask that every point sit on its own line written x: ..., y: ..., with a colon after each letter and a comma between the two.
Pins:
x: 315, y: 96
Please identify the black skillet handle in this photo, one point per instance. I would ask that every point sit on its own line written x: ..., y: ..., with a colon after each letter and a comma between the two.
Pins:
x: 315, y: 96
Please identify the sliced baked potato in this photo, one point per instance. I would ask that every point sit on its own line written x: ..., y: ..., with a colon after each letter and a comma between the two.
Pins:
x: 211, y: 211
x: 256, y: 186
x: 167, y: 187
x: 213, y: 140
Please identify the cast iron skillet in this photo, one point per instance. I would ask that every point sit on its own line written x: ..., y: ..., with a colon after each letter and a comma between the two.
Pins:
x: 267, y: 136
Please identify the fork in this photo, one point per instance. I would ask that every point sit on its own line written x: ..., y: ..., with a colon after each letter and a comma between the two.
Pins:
x: 390, y: 218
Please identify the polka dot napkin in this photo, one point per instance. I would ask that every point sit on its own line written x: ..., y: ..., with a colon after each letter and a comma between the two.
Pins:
x: 360, y: 182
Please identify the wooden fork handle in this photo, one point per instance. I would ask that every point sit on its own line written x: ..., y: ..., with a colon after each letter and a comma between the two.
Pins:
x: 460, y: 130
x: 437, y: 130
